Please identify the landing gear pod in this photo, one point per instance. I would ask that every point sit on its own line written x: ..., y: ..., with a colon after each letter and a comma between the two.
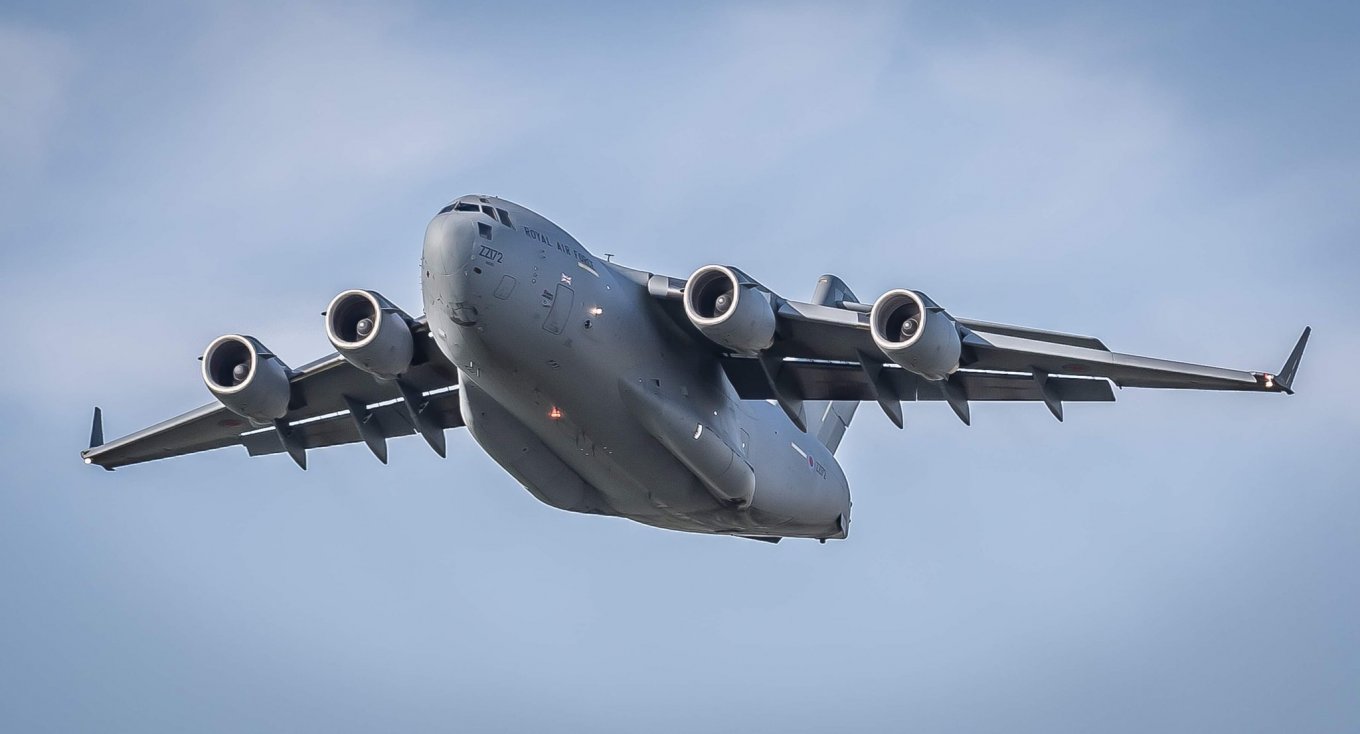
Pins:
x: 370, y: 333
x: 916, y: 334
x: 730, y: 309
x: 717, y: 465
x: 247, y: 378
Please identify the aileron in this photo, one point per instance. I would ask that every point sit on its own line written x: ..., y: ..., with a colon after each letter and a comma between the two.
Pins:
x: 386, y: 420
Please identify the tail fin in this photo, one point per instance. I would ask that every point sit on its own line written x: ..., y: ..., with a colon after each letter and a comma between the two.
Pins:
x: 828, y: 419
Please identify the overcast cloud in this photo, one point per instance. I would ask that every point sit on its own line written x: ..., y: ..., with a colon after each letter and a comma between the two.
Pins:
x: 1180, y: 180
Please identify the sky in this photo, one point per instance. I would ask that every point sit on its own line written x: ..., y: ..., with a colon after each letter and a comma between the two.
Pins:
x: 1179, y: 179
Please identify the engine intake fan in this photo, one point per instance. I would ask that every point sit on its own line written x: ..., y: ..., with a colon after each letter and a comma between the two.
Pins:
x: 730, y: 308
x: 247, y: 378
x: 916, y: 334
x: 370, y: 333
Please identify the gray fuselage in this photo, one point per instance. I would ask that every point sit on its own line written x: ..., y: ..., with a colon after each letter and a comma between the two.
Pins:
x: 575, y: 382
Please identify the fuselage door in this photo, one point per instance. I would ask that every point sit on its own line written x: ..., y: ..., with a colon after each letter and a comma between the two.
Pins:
x: 560, y: 311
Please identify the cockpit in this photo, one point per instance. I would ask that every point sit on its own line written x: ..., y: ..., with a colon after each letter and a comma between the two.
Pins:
x: 496, y: 213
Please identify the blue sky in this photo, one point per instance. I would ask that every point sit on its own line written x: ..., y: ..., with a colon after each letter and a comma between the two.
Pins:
x: 1179, y: 179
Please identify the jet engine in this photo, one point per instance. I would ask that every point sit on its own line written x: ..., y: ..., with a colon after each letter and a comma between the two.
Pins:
x: 916, y: 334
x: 730, y: 308
x: 370, y: 333
x: 247, y: 378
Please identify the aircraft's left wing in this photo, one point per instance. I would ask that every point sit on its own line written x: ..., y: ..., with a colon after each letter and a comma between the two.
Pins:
x: 826, y: 351
x: 333, y: 402
x: 824, y: 332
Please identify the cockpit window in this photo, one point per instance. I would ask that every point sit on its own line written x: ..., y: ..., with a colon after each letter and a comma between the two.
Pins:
x: 484, y: 230
x: 468, y: 206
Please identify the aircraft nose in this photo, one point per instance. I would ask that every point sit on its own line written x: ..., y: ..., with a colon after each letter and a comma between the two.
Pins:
x: 448, y: 244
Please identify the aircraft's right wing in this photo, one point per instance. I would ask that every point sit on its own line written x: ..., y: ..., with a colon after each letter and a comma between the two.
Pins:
x: 333, y: 402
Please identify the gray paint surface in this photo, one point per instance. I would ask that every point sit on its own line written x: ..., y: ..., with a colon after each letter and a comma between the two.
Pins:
x: 1174, y: 561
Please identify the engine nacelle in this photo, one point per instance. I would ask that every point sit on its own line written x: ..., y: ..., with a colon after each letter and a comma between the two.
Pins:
x: 247, y: 378
x: 370, y: 333
x: 729, y: 308
x: 916, y: 334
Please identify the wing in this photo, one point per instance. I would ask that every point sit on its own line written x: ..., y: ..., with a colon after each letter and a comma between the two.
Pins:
x: 826, y: 352
x: 334, y: 403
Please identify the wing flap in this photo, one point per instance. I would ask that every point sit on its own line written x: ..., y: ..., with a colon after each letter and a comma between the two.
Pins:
x: 995, y: 386
x: 820, y: 380
x: 391, y: 419
x: 319, y: 387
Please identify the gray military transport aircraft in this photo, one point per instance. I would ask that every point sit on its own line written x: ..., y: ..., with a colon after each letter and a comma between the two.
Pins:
x: 709, y: 405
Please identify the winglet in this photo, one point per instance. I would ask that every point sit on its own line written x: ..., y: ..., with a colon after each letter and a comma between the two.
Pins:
x: 96, y: 438
x: 1291, y: 366
x: 97, y: 429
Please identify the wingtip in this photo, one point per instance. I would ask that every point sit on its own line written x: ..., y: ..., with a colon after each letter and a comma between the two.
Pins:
x: 96, y: 429
x: 1291, y: 365
x: 1283, y: 381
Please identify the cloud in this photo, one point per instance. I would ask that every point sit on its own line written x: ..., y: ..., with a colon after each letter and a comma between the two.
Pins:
x: 39, y: 67
x: 240, y: 187
x: 767, y: 82
x: 303, y: 98
x: 289, y: 106
x: 1059, y: 149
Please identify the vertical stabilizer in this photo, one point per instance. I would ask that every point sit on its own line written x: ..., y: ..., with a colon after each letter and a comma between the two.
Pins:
x: 828, y: 419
